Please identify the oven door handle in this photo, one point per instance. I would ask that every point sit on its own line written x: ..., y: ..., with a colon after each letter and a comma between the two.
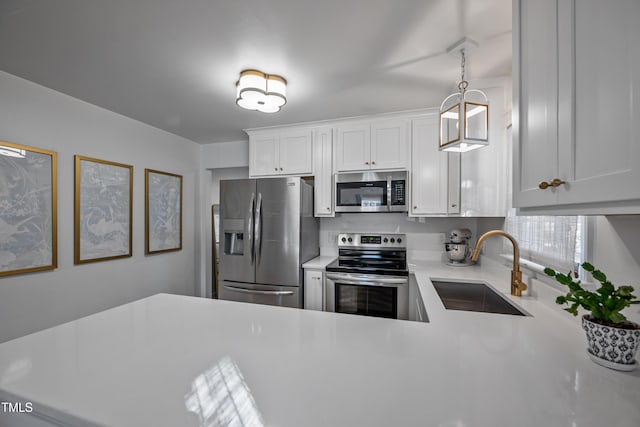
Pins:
x: 352, y: 279
x: 258, y: 292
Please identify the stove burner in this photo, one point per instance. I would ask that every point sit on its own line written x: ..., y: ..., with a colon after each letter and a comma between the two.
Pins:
x: 379, y: 254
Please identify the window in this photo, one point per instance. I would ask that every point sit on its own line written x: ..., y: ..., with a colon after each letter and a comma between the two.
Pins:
x: 552, y: 241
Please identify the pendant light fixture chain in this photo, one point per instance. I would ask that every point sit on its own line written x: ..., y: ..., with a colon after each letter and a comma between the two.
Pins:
x: 462, y: 86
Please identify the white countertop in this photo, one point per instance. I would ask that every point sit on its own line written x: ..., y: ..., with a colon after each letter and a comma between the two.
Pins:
x: 318, y: 263
x: 172, y: 360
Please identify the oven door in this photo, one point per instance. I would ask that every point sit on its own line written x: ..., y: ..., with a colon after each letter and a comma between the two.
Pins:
x: 368, y: 294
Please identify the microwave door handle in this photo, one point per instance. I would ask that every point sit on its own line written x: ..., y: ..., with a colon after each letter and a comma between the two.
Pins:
x: 250, y: 213
x: 258, y: 229
x: 389, y: 195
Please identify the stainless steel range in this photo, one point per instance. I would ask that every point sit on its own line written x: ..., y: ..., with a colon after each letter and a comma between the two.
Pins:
x: 370, y: 276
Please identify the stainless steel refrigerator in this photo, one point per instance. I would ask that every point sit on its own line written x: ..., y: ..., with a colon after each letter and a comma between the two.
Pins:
x: 267, y: 232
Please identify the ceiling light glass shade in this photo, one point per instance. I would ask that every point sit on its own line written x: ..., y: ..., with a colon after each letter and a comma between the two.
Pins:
x: 464, y: 126
x: 12, y: 152
x: 258, y: 91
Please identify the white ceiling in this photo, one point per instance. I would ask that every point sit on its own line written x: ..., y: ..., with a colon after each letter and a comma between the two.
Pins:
x: 173, y: 64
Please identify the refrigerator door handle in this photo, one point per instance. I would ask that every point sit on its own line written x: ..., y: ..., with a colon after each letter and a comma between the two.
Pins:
x: 252, y: 248
x: 258, y: 292
x: 258, y: 229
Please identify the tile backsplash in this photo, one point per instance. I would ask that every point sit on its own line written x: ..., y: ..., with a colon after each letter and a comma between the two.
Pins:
x: 425, y: 236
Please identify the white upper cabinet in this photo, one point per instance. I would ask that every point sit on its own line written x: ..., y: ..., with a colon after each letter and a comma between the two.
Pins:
x: 429, y: 169
x: 295, y: 152
x: 353, y: 147
x: 323, y: 171
x: 576, y: 106
x: 389, y: 144
x: 280, y: 153
x: 376, y: 145
x: 484, y: 173
x: 264, y: 157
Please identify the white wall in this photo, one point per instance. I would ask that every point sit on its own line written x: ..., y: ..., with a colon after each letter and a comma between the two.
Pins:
x: 225, y: 155
x: 36, y: 116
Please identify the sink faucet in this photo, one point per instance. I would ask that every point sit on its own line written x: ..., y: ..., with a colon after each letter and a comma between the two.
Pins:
x: 517, y: 285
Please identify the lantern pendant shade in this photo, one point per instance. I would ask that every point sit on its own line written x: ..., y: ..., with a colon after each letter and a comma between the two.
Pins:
x: 464, y: 126
x: 256, y: 90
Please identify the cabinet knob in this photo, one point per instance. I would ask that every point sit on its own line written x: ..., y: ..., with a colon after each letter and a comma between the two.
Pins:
x: 328, y: 208
x: 276, y: 169
x: 280, y: 168
x: 373, y: 163
x: 453, y: 205
x: 366, y: 163
x: 415, y: 207
x: 556, y: 182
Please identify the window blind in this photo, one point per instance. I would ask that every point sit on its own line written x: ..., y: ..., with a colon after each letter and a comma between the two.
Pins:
x: 546, y: 240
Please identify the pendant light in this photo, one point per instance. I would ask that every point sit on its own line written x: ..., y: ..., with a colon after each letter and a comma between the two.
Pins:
x: 464, y: 124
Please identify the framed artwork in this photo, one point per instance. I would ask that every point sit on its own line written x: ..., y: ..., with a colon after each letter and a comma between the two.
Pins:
x: 163, y: 211
x: 28, y: 209
x: 103, y: 207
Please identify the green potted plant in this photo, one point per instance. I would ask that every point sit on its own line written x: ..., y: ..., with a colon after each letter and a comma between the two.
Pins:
x: 613, y: 340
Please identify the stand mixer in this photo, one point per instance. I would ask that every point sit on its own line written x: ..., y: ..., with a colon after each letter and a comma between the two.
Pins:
x: 457, y: 248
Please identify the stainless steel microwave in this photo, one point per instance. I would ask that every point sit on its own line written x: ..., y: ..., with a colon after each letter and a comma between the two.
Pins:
x: 371, y: 192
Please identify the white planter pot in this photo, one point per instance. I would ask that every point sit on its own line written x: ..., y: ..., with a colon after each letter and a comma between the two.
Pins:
x: 614, y: 347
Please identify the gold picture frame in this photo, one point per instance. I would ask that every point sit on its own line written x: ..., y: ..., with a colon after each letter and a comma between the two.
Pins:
x: 103, y: 220
x: 163, y: 211
x: 28, y: 209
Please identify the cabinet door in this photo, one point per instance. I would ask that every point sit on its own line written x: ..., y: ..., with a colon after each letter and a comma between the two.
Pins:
x: 484, y: 172
x: 353, y: 147
x: 263, y: 155
x: 535, y: 96
x: 599, y: 154
x: 389, y: 144
x: 313, y: 290
x: 323, y: 172
x: 429, y: 169
x: 295, y: 153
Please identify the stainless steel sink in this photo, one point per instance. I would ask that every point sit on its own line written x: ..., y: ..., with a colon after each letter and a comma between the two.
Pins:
x: 474, y: 296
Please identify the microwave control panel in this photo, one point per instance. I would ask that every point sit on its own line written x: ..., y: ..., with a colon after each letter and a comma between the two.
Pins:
x: 398, y: 197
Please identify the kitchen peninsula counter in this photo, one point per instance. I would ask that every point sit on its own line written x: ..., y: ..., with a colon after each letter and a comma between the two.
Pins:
x: 170, y: 360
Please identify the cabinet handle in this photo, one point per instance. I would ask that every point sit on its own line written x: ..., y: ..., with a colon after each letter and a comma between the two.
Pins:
x: 556, y: 182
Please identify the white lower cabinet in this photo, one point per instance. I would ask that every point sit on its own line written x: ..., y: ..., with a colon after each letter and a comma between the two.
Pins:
x: 314, y: 289
x: 417, y: 310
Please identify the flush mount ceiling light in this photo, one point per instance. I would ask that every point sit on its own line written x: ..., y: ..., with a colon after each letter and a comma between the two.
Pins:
x: 256, y: 90
x: 464, y: 124
x: 12, y: 152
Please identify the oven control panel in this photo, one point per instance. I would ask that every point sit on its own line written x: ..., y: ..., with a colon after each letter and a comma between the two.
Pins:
x: 372, y: 240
